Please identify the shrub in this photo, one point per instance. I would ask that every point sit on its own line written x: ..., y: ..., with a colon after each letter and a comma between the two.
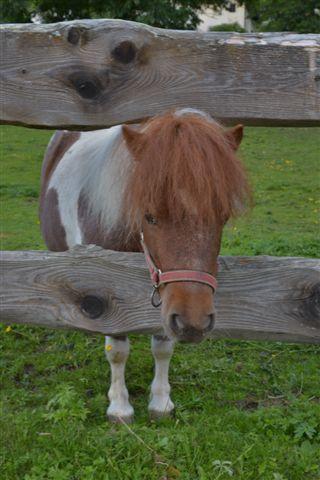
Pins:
x: 227, y: 27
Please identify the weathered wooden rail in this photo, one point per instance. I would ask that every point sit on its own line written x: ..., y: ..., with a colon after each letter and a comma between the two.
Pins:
x: 97, y: 73
x: 261, y: 298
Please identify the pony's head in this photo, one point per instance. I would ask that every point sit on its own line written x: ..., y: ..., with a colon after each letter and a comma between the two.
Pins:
x: 186, y: 182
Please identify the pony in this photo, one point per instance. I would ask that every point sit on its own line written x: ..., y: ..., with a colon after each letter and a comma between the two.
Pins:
x: 166, y: 187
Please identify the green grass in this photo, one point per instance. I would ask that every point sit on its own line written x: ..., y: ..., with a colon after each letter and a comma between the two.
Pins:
x: 244, y: 410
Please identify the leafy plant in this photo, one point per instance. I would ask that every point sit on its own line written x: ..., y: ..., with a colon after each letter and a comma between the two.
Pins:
x: 66, y: 405
x: 222, y: 467
x: 227, y: 27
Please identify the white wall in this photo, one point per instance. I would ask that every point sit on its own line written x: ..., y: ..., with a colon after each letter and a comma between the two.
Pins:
x: 210, y: 18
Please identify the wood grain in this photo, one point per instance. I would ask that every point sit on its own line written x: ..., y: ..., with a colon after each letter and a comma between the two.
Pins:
x: 97, y: 73
x: 88, y: 288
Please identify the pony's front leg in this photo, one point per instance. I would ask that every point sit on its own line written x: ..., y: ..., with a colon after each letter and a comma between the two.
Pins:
x: 117, y: 352
x: 160, y: 404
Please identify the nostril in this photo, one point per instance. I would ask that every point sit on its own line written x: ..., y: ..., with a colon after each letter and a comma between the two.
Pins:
x: 176, y: 323
x: 209, y: 322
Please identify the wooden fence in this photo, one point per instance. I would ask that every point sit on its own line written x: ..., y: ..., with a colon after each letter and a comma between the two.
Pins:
x: 93, y: 74
x: 89, y: 288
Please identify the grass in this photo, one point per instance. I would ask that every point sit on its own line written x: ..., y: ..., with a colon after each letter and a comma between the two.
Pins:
x: 244, y: 410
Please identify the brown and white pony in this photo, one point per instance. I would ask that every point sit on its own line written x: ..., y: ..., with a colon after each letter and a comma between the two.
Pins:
x: 175, y: 178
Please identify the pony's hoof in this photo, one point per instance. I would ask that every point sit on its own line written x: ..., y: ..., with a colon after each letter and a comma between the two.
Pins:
x: 120, y: 420
x: 160, y: 407
x: 158, y: 415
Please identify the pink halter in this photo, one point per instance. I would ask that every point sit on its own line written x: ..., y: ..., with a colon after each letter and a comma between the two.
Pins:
x: 159, y: 278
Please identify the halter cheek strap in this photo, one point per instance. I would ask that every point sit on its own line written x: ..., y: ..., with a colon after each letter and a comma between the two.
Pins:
x: 159, y: 278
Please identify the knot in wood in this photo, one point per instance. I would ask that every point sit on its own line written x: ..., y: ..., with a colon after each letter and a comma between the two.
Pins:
x: 87, y: 89
x: 73, y: 35
x: 314, y: 304
x: 309, y: 309
x: 86, y: 84
x: 92, y: 306
x: 125, y: 52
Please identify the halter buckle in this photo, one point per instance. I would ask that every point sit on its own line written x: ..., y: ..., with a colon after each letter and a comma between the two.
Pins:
x: 156, y: 300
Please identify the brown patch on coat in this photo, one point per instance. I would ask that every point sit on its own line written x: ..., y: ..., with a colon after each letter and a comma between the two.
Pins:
x: 52, y: 229
x: 94, y: 232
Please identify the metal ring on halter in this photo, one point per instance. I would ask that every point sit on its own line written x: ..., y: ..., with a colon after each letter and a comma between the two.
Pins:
x: 155, y: 292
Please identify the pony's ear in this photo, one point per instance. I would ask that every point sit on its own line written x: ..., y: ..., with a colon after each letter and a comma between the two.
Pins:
x: 132, y: 137
x: 234, y: 136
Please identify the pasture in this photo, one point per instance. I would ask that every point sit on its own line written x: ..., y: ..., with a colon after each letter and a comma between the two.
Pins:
x: 244, y: 410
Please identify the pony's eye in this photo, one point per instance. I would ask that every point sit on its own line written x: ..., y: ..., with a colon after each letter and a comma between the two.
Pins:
x: 151, y: 219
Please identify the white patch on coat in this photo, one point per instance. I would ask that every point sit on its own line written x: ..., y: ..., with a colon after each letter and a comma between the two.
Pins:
x: 97, y: 165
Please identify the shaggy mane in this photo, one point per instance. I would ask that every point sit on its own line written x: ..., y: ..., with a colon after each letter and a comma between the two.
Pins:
x: 184, y: 165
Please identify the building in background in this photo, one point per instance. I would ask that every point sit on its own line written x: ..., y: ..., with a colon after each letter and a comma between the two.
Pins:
x: 233, y: 13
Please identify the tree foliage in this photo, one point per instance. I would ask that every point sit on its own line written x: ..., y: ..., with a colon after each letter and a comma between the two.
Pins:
x: 15, y: 11
x: 302, y: 16
x: 182, y: 14
x: 227, y: 27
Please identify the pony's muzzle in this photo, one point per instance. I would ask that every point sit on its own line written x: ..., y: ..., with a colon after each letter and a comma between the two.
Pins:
x: 185, y: 330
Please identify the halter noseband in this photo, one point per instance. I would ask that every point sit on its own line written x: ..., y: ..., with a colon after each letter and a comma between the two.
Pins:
x: 159, y: 278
